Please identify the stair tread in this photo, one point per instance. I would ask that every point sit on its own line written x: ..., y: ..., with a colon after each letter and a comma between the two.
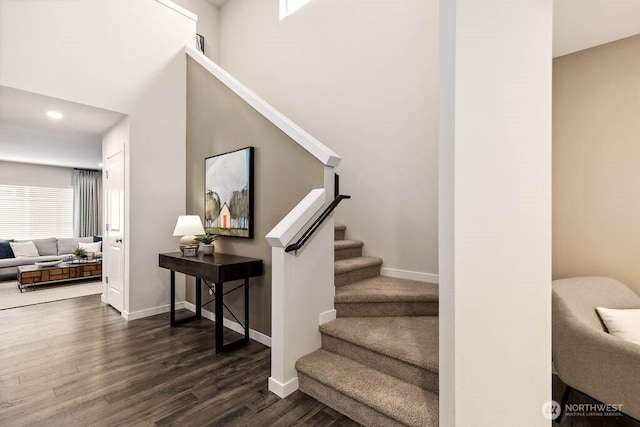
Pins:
x: 344, y: 244
x: 387, y: 289
x: 352, y: 264
x: 395, y: 398
x: 418, y: 335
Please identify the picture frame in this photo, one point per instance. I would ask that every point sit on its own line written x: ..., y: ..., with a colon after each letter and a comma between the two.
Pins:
x: 229, y: 193
x: 190, y: 251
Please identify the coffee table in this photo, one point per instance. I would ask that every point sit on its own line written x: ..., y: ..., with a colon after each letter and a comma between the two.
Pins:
x: 32, y: 275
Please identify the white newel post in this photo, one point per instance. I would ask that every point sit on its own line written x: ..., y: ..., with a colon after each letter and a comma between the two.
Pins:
x: 302, y: 289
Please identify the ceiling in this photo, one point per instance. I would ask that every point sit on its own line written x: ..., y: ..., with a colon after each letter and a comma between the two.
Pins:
x: 27, y: 135
x: 18, y: 107
x: 582, y: 24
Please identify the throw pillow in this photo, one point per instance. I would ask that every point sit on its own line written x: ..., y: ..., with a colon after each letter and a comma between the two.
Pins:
x: 91, y: 247
x: 66, y: 245
x: 24, y: 249
x: 47, y: 246
x: 97, y: 239
x: 5, y: 249
x: 622, y: 323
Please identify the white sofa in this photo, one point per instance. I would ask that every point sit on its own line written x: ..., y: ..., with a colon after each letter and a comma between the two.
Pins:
x: 50, y: 249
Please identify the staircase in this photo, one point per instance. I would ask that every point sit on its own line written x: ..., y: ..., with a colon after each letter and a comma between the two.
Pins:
x: 379, y: 359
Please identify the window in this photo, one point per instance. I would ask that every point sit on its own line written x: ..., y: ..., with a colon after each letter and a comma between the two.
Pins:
x: 35, y: 212
x: 287, y: 7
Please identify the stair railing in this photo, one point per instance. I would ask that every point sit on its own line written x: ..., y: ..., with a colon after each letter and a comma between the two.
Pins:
x: 200, y: 43
x: 303, y: 289
x: 316, y: 224
x: 302, y: 285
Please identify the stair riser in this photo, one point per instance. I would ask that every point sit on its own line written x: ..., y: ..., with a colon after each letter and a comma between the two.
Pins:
x: 356, y: 275
x: 394, y: 367
x: 339, y: 234
x: 344, y: 404
x: 347, y: 253
x: 386, y: 309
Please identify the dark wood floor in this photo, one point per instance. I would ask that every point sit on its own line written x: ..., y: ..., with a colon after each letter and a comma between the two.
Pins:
x: 78, y: 363
x: 587, y: 421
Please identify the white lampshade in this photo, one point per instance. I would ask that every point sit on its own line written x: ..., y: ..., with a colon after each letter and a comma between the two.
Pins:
x: 188, y: 225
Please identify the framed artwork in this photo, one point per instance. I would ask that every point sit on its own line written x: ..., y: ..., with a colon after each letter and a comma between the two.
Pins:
x: 228, y: 193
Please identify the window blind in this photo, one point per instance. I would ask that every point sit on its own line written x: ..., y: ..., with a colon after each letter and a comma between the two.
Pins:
x: 35, y: 212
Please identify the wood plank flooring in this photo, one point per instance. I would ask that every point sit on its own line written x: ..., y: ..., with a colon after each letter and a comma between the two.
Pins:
x: 587, y: 421
x: 78, y: 363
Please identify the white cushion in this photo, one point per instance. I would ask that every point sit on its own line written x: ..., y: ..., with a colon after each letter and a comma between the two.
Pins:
x: 90, y: 247
x: 24, y: 249
x: 622, y: 323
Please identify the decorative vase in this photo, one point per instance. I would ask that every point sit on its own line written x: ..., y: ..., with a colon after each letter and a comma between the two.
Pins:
x: 206, y: 249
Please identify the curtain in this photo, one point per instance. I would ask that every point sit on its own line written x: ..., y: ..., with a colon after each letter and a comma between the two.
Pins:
x: 86, y: 202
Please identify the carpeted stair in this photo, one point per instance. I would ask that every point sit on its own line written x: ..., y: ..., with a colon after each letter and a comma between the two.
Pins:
x: 379, y: 360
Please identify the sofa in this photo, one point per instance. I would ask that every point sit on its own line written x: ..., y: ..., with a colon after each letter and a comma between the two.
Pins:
x: 49, y: 249
x: 587, y: 358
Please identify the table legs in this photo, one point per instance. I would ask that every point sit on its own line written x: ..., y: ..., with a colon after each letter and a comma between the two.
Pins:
x: 220, y: 345
x: 172, y: 303
x: 219, y: 317
x: 173, y: 298
x: 246, y: 309
x: 198, y: 298
x: 219, y: 307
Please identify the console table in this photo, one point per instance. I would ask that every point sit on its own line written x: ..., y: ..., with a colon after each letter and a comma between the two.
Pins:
x: 218, y: 269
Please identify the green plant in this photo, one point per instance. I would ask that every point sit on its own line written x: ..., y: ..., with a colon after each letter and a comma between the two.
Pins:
x: 206, y: 239
x: 80, y: 253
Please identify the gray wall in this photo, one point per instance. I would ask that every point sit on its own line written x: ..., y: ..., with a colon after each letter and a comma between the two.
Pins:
x: 218, y: 121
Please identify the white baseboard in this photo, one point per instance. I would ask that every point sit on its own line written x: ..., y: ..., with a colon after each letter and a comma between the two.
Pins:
x: 103, y: 298
x: 283, y: 390
x: 410, y: 275
x: 327, y: 316
x: 234, y: 326
x: 134, y: 315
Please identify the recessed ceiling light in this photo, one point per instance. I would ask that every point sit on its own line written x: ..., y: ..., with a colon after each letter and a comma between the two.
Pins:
x: 100, y: 165
x: 55, y: 115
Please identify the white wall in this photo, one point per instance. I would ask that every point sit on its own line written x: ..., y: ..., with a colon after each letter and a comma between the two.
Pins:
x: 123, y: 56
x: 208, y: 25
x: 582, y: 24
x: 157, y: 196
x: 495, y: 207
x: 362, y: 78
x: 12, y: 173
x: 26, y: 144
x: 102, y: 53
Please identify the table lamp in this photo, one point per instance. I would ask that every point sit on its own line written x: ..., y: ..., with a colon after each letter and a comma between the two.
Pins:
x: 187, y: 227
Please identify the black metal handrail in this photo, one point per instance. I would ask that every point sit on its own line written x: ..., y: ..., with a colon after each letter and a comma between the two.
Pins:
x: 316, y: 224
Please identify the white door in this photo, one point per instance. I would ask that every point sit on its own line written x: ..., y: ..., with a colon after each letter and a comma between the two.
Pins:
x: 114, y: 248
